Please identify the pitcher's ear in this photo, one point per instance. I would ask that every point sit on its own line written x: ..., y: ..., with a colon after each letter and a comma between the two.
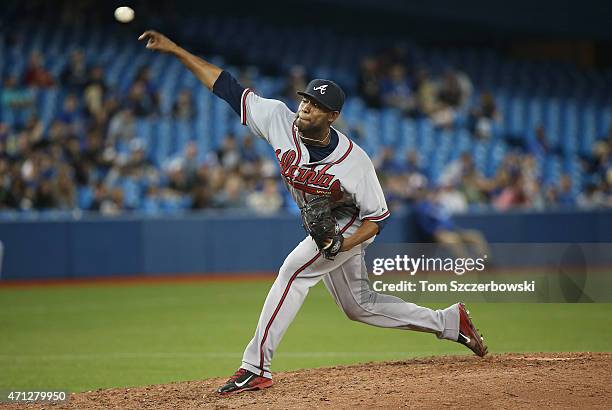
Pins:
x: 334, y: 116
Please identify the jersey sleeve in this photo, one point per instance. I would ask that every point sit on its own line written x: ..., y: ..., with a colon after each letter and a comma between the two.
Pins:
x: 258, y: 113
x: 369, y: 197
x: 255, y: 112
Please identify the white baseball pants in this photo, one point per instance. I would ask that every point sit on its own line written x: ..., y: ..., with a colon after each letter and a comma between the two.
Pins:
x: 347, y: 280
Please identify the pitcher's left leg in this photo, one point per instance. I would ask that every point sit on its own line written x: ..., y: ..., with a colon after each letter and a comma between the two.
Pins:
x: 350, y: 287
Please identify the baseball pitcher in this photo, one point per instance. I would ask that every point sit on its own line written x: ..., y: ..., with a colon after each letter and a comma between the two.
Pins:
x: 343, y: 208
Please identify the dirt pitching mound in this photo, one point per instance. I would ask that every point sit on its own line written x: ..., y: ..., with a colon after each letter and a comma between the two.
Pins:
x: 556, y: 380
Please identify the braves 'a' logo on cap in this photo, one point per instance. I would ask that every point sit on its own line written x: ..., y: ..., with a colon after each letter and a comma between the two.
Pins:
x: 321, y: 88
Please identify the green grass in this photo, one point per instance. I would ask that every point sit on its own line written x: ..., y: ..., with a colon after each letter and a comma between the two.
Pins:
x: 85, y: 337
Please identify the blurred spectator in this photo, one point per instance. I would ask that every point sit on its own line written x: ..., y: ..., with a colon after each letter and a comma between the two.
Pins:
x: 396, y: 89
x: 36, y: 75
x: 228, y: 154
x: 112, y: 104
x: 216, y: 179
x: 425, y: 90
x: 183, y: 169
x: 152, y: 203
x: 95, y: 94
x: 411, y: 164
x: 436, y: 224
x: 93, y: 150
x: 512, y: 194
x: 483, y: 117
x: 537, y: 144
x: 593, y: 197
x: 601, y: 162
x: 474, y: 188
x: 452, y: 199
x: 114, y: 203
x: 296, y: 81
x: 466, y: 87
x: 564, y: 196
x: 232, y: 196
x: 398, y: 54
x: 268, y: 200
x: 415, y: 178
x: 368, y: 85
x: 74, y: 156
x: 57, y: 133
x: 143, y: 76
x: 385, y: 161
x: 183, y: 108
x: 140, y: 102
x: 7, y: 196
x: 404, y: 180
x: 122, y: 127
x: 454, y: 172
x: 18, y: 99
x: 395, y: 190
x: 72, y: 115
x: 191, y: 163
x: 34, y: 129
x: 131, y: 170
x: 450, y: 98
x: 100, y: 195
x: 4, y: 135
x: 201, y: 198
x: 74, y: 76
x: 178, y: 183
x: 44, y: 198
x: 65, y: 190
x: 531, y: 180
x: 248, y: 153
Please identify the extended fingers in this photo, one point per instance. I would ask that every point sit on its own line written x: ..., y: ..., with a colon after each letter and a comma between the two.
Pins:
x: 147, y: 34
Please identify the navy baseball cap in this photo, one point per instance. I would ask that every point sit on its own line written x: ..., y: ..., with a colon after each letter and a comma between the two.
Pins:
x: 325, y: 92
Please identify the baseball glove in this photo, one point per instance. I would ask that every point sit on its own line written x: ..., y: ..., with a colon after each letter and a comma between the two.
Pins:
x: 321, y: 226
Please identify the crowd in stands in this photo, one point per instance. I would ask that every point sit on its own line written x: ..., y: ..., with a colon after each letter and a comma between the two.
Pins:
x: 392, y: 80
x: 516, y: 185
x: 90, y: 156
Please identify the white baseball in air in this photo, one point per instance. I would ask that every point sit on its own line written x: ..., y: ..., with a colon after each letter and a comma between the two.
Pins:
x: 124, y: 14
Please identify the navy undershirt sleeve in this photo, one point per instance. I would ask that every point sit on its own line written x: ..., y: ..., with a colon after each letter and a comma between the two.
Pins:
x: 228, y: 88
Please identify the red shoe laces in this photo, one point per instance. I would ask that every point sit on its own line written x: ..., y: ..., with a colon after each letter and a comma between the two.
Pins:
x: 237, y: 375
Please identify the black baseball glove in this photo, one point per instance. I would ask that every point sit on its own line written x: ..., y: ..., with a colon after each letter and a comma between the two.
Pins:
x: 321, y: 226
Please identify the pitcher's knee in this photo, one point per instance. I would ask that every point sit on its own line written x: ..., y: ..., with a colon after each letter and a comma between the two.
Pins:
x: 354, y: 312
x: 283, y: 271
x: 353, y: 315
x: 287, y: 270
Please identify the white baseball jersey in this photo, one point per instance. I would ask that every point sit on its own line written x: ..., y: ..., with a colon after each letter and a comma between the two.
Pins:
x: 347, y: 174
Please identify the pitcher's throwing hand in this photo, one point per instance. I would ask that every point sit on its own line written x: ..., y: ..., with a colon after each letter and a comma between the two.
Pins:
x: 158, y: 42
